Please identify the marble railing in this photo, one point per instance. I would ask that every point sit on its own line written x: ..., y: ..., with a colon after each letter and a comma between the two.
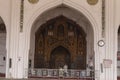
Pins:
x: 61, y: 73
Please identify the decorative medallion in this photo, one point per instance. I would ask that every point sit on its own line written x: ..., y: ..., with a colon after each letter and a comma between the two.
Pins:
x: 92, y: 2
x: 33, y: 1
x: 101, y: 43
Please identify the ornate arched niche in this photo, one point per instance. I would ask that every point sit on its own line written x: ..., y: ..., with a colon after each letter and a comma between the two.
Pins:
x: 64, y: 32
x: 59, y: 57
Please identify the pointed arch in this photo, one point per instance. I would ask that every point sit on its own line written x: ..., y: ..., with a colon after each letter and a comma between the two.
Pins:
x: 70, y: 4
x: 3, y: 54
x: 59, y: 57
x: 47, y: 39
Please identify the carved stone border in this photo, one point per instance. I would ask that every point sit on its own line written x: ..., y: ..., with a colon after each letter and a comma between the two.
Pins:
x: 21, y: 15
x: 103, y: 18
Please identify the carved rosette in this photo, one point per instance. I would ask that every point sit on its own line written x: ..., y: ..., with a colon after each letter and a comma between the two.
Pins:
x: 33, y: 1
x: 92, y: 2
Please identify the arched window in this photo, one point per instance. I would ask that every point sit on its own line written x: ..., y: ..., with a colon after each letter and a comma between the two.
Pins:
x: 60, y: 30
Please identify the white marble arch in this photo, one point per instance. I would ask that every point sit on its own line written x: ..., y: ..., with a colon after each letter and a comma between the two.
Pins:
x: 78, y: 17
x: 51, y: 5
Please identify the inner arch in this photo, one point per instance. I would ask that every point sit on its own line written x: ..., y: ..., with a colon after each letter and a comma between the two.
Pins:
x: 78, y: 18
x: 59, y: 57
x: 60, y: 31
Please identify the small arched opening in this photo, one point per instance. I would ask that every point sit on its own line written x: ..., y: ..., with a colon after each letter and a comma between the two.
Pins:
x: 59, y: 57
x: 2, y: 48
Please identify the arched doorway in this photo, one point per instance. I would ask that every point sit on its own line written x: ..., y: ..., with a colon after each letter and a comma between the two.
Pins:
x: 2, y: 48
x: 59, y: 57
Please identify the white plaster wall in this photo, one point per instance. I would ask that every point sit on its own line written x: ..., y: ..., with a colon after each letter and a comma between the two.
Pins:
x: 16, y: 41
x: 10, y: 13
x: 111, y: 33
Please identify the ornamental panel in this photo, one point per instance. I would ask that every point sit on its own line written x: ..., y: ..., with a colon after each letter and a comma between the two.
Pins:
x: 58, y: 42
